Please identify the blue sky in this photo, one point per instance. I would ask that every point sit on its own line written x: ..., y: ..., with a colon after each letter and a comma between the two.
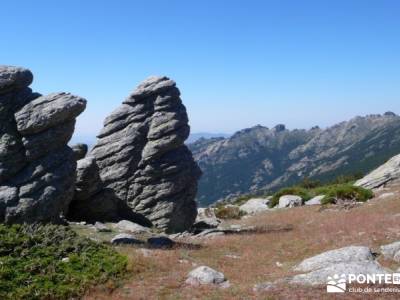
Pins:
x: 237, y: 63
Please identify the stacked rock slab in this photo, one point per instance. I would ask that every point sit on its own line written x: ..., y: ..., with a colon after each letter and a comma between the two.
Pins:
x: 142, y: 157
x: 37, y: 168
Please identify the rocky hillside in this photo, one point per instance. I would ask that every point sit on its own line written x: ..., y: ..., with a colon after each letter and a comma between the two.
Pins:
x: 260, y: 159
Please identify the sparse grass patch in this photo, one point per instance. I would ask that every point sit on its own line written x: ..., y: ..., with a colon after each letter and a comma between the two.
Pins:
x: 53, y: 262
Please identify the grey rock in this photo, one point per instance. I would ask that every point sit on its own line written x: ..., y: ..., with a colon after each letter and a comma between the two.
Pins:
x: 382, y: 175
x: 129, y: 226
x: 319, y: 276
x: 142, y: 158
x: 255, y: 205
x: 48, y: 111
x: 80, y: 151
x: 160, y: 242
x: 205, y: 275
x: 348, y: 260
x: 316, y: 200
x: 37, y: 168
x: 391, y: 251
x: 14, y: 78
x: 342, y: 255
x: 126, y: 239
x: 206, y: 219
x: 289, y: 201
x: 100, y: 227
x: 88, y: 181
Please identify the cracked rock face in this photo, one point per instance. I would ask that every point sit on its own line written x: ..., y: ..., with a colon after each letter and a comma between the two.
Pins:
x: 37, y: 168
x: 142, y: 158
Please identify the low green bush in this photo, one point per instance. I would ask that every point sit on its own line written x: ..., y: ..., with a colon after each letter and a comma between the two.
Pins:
x: 53, y: 262
x: 345, y: 192
x: 229, y: 212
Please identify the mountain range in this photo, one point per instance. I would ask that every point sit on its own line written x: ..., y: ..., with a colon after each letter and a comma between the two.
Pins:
x: 260, y: 159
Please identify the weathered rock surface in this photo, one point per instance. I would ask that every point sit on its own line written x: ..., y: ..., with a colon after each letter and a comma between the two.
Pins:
x: 129, y: 226
x: 124, y: 238
x: 92, y: 202
x: 348, y: 260
x: 142, y: 158
x: 37, y: 168
x: 205, y: 275
x: 391, y: 251
x: 206, y: 219
x: 382, y: 175
x: 80, y: 151
x: 316, y: 200
x: 290, y: 201
x: 254, y: 206
x: 342, y: 255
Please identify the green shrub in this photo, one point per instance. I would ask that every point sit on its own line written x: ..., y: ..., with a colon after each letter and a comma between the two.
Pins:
x: 345, y: 192
x: 229, y: 212
x: 32, y: 266
x: 298, y: 191
x: 342, y: 179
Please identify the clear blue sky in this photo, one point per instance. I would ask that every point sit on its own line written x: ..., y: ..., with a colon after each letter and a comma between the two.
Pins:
x: 237, y: 63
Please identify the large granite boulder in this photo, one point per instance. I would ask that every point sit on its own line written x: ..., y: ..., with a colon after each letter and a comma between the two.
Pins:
x: 384, y: 174
x: 37, y: 168
x: 142, y: 158
x: 348, y: 260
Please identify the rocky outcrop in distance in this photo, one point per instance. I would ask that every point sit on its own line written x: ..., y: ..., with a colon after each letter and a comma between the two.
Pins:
x: 260, y: 160
x: 37, y: 168
x: 381, y: 176
x: 142, y: 161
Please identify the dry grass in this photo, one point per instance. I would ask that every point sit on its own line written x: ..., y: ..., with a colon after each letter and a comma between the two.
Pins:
x: 264, y: 256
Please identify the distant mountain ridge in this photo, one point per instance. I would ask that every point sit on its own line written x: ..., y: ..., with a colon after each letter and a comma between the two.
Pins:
x: 262, y: 159
x: 193, y: 137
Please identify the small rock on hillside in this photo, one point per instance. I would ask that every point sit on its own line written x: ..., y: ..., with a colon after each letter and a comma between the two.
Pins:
x: 387, y: 172
x: 316, y: 200
x: 129, y: 226
x: 391, y: 251
x: 255, y: 205
x: 290, y: 201
x: 206, y: 219
x: 125, y: 239
x: 348, y: 260
x: 205, y: 275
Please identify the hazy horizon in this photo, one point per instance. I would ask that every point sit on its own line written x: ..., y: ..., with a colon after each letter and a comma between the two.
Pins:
x: 237, y: 64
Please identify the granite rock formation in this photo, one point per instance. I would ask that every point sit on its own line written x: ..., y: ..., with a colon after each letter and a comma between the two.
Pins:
x: 142, y: 158
x: 384, y: 174
x: 37, y: 177
x: 80, y: 151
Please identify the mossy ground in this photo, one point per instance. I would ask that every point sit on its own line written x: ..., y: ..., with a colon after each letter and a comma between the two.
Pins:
x: 53, y: 262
